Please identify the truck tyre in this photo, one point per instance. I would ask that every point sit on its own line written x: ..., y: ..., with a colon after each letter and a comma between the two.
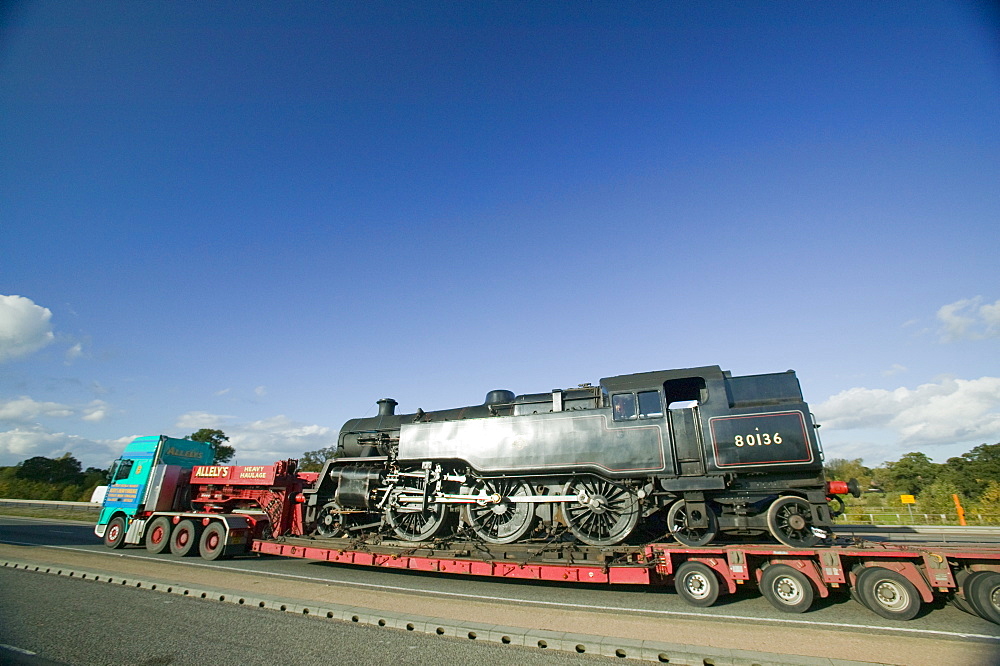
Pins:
x: 888, y: 593
x: 982, y: 590
x: 213, y: 542
x: 114, y: 536
x: 158, y: 535
x: 184, y: 539
x: 788, y: 589
x: 962, y: 605
x: 697, y: 584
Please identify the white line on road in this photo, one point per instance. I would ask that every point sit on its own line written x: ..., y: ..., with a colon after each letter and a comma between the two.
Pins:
x: 11, y: 648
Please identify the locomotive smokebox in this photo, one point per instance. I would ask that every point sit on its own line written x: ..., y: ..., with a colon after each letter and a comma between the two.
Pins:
x: 386, y: 407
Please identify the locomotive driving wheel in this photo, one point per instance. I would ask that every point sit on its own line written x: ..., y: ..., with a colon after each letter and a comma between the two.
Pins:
x: 790, y: 521
x: 500, y: 520
x: 413, y: 518
x: 604, y: 512
x: 693, y: 537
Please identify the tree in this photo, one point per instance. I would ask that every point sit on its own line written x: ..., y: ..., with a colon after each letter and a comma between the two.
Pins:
x: 984, y: 463
x: 989, y: 501
x: 938, y: 497
x: 223, y: 453
x: 95, y: 475
x: 973, y: 471
x: 312, y: 461
x: 65, y: 469
x: 911, y: 473
x: 957, y: 472
x: 841, y: 469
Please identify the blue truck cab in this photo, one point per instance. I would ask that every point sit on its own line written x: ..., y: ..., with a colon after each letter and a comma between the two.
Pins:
x: 146, y: 478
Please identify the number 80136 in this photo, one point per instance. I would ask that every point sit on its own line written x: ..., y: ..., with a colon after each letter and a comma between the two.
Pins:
x: 760, y: 439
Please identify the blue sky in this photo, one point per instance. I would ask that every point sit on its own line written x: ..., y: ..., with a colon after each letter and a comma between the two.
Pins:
x: 262, y: 217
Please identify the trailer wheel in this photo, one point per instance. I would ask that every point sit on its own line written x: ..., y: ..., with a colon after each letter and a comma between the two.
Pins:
x: 788, y: 589
x: 962, y: 605
x: 114, y: 536
x: 184, y: 539
x: 213, y: 542
x: 982, y: 590
x: 158, y: 535
x: 888, y: 593
x: 697, y: 584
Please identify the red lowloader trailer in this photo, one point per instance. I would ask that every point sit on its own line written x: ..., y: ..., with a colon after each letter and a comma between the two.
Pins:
x: 221, y: 511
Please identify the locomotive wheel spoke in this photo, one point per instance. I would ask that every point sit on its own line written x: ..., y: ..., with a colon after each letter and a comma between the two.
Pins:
x: 677, y: 518
x: 790, y: 521
x: 608, y: 515
x: 504, y: 521
x: 330, y: 523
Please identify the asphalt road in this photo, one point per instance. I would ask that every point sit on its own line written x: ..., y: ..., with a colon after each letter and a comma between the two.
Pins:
x: 948, y: 535
x: 69, y: 621
x: 840, y: 615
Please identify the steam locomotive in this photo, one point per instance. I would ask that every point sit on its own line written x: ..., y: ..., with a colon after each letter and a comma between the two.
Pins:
x: 691, y: 453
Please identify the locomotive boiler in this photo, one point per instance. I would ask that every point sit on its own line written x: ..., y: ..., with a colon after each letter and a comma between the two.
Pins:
x: 691, y: 453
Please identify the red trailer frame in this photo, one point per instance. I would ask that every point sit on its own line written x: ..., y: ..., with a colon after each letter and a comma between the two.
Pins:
x: 900, y: 577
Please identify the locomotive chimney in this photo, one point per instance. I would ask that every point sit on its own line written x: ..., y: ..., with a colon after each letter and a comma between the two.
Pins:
x: 386, y: 407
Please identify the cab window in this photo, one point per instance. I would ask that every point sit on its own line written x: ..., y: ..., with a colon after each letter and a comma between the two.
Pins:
x: 623, y: 405
x: 124, y: 469
x: 649, y: 404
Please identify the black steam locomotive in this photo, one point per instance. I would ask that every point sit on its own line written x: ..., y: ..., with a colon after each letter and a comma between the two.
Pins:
x: 690, y: 453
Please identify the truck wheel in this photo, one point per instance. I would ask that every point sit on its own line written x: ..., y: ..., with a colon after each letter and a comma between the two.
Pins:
x: 114, y: 536
x: 213, y: 542
x: 982, y: 590
x: 158, y: 535
x: 788, y: 589
x: 697, y: 584
x: 888, y: 593
x: 184, y: 539
x: 962, y: 605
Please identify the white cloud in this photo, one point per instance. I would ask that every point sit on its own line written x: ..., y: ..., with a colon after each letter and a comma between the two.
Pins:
x: 967, y: 319
x: 26, y: 443
x: 895, y: 369
x: 95, y: 411
x: 265, y: 441
x: 198, y: 420
x: 74, y: 352
x: 260, y: 391
x: 24, y: 327
x: 22, y: 443
x: 949, y: 412
x: 25, y: 410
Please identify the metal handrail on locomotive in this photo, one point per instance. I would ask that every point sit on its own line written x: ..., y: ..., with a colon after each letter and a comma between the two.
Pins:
x: 692, y: 453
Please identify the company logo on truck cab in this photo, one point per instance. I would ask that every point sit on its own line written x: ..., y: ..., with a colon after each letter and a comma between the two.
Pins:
x: 122, y: 493
x: 211, y: 472
x: 183, y: 453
